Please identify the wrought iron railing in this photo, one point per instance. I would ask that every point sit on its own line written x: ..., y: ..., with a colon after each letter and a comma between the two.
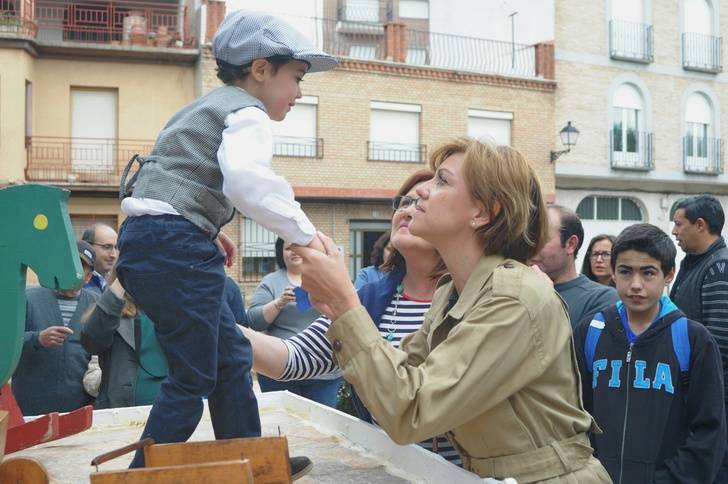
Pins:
x: 297, y: 147
x: 702, y: 52
x: 631, y: 150
x: 366, y: 41
x: 81, y: 160
x: 16, y: 16
x: 702, y: 155
x: 403, y: 152
x: 630, y: 41
x: 133, y: 22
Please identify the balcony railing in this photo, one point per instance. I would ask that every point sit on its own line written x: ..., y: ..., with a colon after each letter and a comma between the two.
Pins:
x: 296, y: 147
x: 78, y: 161
x: 124, y: 22
x: 702, y: 155
x: 631, y: 150
x: 702, y: 52
x: 630, y: 41
x: 402, y: 152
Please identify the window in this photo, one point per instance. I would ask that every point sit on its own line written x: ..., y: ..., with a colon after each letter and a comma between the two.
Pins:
x: 93, y: 132
x: 296, y: 134
x: 362, y: 235
x: 362, y: 10
x: 698, y: 126
x: 414, y: 9
x: 701, y: 47
x: 630, y: 35
x: 609, y: 208
x: 417, y: 56
x: 259, y: 250
x: 630, y: 144
x: 491, y: 126
x: 394, y: 132
x: 363, y: 51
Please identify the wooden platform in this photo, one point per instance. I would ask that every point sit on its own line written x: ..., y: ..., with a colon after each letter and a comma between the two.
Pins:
x: 343, y: 449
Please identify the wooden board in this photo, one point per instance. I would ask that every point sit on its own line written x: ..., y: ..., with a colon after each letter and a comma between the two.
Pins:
x: 268, y: 456
x: 22, y: 470
x: 4, y: 422
x: 229, y: 472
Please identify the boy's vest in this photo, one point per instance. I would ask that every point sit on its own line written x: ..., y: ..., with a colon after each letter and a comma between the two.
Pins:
x: 678, y: 329
x: 182, y: 169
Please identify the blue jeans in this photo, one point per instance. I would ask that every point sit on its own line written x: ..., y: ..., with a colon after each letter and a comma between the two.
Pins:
x: 175, y: 274
x: 321, y: 391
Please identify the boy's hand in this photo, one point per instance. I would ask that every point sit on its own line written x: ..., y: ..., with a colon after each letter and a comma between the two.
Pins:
x: 227, y: 247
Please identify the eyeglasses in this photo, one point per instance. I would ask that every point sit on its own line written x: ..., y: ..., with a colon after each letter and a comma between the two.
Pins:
x: 403, y: 202
x: 107, y: 247
x: 604, y: 255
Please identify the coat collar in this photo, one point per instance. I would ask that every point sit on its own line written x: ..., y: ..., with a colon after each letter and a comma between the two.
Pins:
x: 480, y: 276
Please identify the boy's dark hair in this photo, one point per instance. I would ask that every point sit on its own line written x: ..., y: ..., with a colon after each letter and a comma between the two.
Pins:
x: 279, y: 253
x: 228, y: 73
x: 706, y: 207
x: 570, y: 225
x: 648, y: 239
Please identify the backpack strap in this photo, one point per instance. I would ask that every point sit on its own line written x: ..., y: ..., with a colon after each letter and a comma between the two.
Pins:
x: 681, y: 346
x: 592, y: 338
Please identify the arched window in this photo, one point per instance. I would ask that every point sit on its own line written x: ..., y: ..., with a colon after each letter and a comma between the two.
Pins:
x: 630, y: 32
x: 701, y: 49
x: 609, y: 208
x: 701, y: 151
x: 628, y: 138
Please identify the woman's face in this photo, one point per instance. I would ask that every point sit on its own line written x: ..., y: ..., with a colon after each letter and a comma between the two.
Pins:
x: 293, y: 260
x: 401, y: 238
x: 600, y: 258
x: 445, y: 208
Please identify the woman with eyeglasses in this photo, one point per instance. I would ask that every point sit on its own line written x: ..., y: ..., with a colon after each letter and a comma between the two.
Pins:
x: 396, y: 304
x: 493, y: 364
x: 597, y: 263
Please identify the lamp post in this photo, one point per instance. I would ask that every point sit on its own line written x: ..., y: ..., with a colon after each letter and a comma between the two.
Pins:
x: 568, y: 134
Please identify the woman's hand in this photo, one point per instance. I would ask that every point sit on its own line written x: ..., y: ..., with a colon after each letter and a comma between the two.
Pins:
x: 325, y: 278
x: 287, y: 296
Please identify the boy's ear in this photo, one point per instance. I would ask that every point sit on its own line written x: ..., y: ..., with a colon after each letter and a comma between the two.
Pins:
x: 258, y: 69
x: 669, y: 276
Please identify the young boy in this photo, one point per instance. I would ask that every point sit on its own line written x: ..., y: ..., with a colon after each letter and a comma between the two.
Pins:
x: 213, y: 156
x: 651, y: 378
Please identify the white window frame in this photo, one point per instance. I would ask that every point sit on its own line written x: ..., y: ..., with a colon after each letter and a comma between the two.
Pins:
x: 387, y: 150
x: 414, y: 9
x: 285, y: 145
x: 494, y: 115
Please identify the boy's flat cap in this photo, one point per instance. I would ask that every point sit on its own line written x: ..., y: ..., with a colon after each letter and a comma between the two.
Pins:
x: 246, y: 36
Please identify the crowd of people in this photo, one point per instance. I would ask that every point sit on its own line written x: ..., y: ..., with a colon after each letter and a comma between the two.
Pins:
x: 472, y: 333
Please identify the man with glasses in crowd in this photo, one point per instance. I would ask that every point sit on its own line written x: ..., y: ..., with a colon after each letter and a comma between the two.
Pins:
x: 103, y: 239
x: 557, y: 259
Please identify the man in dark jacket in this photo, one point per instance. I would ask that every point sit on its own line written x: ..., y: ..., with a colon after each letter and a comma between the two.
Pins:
x: 702, y: 283
x: 51, y: 368
x: 651, y: 378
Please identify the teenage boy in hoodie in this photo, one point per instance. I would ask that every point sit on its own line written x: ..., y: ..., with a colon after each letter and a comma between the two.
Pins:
x: 651, y: 378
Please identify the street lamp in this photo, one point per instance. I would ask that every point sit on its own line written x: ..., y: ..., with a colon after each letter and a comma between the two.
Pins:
x: 568, y: 135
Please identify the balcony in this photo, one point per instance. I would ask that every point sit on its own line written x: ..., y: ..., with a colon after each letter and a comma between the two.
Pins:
x: 630, y: 41
x: 630, y: 150
x: 400, y: 152
x: 702, y: 156
x: 91, y: 162
x: 702, y: 52
x: 297, y: 147
x: 124, y: 22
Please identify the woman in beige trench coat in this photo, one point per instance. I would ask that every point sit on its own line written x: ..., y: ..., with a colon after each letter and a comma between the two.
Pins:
x: 493, y: 365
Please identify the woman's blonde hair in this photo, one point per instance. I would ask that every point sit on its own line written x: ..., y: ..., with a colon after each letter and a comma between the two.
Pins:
x: 501, y: 179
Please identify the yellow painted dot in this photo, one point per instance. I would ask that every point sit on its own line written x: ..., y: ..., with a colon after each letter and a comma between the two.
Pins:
x: 40, y: 222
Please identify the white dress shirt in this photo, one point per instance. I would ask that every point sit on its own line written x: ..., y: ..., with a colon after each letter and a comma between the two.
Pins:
x: 250, y: 184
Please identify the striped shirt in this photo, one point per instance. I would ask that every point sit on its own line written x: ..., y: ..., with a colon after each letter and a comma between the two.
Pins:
x: 68, y: 308
x: 714, y: 296
x: 310, y: 354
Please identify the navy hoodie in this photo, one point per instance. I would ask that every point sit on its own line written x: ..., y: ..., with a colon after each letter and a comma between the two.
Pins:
x: 655, y: 427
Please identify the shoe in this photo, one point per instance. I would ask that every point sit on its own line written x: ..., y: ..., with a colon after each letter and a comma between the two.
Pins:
x: 300, y: 466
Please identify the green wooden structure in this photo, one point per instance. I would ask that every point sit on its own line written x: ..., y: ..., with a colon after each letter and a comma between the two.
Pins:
x: 36, y: 232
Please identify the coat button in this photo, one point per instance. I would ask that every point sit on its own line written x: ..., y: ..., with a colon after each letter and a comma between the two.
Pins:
x: 508, y: 265
x: 337, y: 345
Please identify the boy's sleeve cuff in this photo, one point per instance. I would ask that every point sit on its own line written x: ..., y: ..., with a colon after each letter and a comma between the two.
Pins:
x: 351, y: 333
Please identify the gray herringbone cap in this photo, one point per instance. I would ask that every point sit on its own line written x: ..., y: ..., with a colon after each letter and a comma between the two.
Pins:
x: 246, y: 36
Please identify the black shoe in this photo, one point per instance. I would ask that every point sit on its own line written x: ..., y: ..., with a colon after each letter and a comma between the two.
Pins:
x: 300, y: 466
